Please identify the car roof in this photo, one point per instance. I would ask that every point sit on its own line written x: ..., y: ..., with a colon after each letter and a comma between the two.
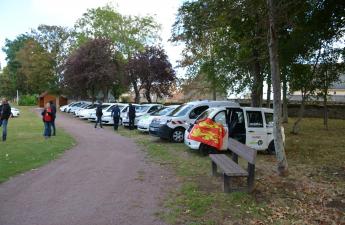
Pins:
x: 214, y: 103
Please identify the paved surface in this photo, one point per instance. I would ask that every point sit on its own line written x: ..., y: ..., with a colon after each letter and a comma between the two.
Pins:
x: 103, y: 180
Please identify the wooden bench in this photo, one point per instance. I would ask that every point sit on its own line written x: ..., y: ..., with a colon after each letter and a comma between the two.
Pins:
x: 230, y: 167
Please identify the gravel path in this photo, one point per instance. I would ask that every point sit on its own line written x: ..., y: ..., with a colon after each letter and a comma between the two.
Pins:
x: 103, y: 180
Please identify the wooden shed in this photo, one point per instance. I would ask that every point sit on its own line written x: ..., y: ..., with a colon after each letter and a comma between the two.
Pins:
x: 45, y: 97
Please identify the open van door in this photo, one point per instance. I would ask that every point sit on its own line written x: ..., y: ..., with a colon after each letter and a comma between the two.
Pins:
x: 220, y: 117
x: 236, y: 124
x: 255, y: 130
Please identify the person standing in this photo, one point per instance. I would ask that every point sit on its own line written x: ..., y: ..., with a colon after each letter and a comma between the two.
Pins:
x: 115, y: 113
x: 5, y: 113
x: 53, y: 108
x: 47, y: 117
x: 99, y: 114
x: 131, y: 116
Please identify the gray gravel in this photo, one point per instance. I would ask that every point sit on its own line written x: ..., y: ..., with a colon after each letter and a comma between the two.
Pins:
x: 103, y: 180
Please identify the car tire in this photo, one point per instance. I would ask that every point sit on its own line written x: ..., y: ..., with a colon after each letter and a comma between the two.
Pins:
x: 177, y: 135
x: 271, y: 148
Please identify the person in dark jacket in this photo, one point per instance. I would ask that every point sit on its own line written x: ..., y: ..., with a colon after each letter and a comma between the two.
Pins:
x: 5, y: 113
x: 115, y: 113
x: 131, y: 116
x: 47, y: 117
x: 99, y: 115
x: 53, y: 108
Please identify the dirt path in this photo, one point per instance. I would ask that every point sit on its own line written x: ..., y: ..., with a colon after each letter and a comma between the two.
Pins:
x: 103, y: 180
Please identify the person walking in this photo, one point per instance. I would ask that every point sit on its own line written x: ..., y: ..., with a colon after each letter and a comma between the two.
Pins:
x: 99, y: 115
x: 115, y: 113
x: 47, y: 117
x: 131, y: 116
x: 5, y: 113
x: 53, y: 107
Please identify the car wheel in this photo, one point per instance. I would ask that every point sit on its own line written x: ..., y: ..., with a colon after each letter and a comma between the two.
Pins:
x: 271, y: 148
x: 178, y: 135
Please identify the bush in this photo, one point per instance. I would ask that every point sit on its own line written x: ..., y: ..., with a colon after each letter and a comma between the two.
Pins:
x: 28, y: 100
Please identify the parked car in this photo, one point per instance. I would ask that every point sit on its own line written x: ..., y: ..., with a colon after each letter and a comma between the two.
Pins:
x: 15, y: 112
x: 84, y: 113
x: 145, y: 121
x: 107, y: 118
x: 78, y: 106
x: 141, y: 110
x: 249, y: 125
x: 173, y: 126
x: 64, y: 107
x: 105, y: 107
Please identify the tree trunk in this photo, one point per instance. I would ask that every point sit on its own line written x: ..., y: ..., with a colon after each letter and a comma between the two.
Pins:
x: 268, y: 98
x: 285, y: 101
x: 274, y: 62
x: 296, y: 125
x: 136, y: 92
x: 325, y: 110
x: 257, y: 84
x: 214, y: 93
x: 148, y: 96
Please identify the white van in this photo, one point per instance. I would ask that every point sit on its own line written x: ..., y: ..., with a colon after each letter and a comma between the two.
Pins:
x: 173, y: 126
x: 250, y: 125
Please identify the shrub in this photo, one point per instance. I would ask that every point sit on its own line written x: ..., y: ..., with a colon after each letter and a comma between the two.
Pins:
x: 28, y: 100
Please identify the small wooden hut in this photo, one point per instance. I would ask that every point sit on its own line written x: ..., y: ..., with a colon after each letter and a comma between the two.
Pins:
x: 45, y: 97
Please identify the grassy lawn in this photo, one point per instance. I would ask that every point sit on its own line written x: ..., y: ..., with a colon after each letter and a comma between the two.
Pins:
x: 26, y: 148
x: 313, y: 193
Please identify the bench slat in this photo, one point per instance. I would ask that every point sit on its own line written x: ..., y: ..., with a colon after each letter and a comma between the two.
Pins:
x: 228, y: 166
x: 242, y: 150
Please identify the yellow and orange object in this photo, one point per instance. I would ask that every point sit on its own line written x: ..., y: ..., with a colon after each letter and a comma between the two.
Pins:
x: 208, y: 132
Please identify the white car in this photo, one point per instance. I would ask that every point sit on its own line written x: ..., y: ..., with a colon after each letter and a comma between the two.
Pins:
x: 64, y: 107
x: 250, y: 125
x: 145, y: 121
x: 141, y: 110
x: 107, y: 118
x: 78, y: 106
x: 85, y: 113
x: 15, y: 112
x: 173, y: 126
x: 105, y: 107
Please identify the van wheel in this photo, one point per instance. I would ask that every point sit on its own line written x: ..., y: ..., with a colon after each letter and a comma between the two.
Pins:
x: 271, y: 149
x: 178, y: 135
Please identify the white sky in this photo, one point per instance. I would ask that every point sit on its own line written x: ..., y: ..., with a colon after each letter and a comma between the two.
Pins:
x: 20, y: 16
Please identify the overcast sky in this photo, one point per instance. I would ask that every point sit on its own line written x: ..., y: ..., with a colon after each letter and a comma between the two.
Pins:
x: 20, y: 16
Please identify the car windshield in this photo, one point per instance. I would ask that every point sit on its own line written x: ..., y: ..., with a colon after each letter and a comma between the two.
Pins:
x: 141, y: 108
x: 91, y: 106
x: 113, y: 106
x: 181, y: 110
x: 163, y: 111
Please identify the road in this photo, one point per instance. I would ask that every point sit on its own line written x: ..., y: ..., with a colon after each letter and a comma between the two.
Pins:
x: 105, y: 179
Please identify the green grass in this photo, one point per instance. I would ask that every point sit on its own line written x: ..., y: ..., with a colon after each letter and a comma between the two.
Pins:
x: 315, y: 157
x: 25, y: 148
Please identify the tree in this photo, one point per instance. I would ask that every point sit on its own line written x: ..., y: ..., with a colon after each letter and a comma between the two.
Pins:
x: 91, y: 69
x: 37, y: 68
x: 57, y: 41
x: 7, y: 85
x: 327, y: 75
x: 230, y: 35
x: 275, y: 73
x: 11, y: 48
x: 127, y: 34
x: 151, y: 71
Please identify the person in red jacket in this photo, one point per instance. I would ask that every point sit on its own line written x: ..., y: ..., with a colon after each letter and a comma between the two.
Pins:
x: 47, y: 116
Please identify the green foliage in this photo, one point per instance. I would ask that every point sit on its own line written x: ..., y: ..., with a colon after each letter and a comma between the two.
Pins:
x: 28, y: 100
x: 129, y: 34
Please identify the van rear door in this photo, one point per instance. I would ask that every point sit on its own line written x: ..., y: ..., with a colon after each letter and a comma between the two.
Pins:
x: 220, y: 117
x: 255, y: 129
